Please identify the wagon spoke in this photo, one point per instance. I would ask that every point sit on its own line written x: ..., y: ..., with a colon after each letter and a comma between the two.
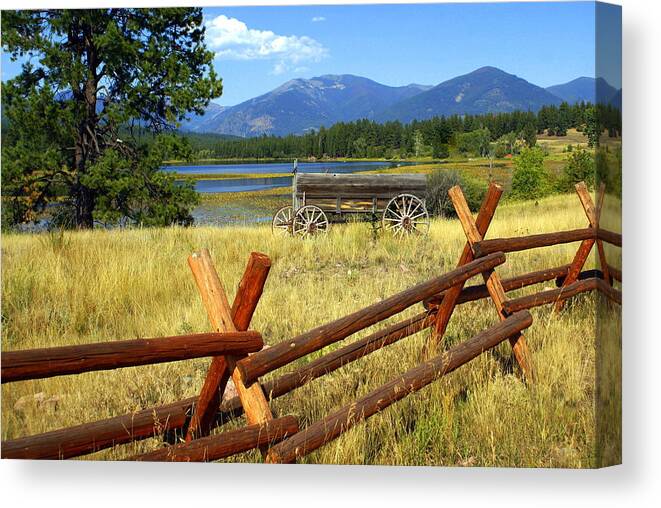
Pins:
x: 417, y: 206
x: 408, y: 210
x: 393, y: 212
x: 401, y: 209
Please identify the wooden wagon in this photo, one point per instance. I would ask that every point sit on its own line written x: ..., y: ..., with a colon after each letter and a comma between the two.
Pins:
x: 318, y: 199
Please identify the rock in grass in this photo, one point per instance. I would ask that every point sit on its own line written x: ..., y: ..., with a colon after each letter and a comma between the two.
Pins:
x: 38, y: 400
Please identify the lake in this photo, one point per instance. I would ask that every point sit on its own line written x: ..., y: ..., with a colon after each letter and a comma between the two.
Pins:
x: 256, y: 184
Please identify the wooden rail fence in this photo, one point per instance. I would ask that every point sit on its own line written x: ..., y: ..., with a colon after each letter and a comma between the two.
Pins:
x: 239, y: 354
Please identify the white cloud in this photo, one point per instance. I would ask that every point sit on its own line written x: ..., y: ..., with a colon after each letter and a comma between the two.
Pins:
x: 231, y: 38
x: 318, y: 18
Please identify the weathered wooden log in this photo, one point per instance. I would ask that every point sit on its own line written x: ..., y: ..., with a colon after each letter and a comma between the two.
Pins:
x: 616, y: 273
x: 575, y: 268
x: 492, y: 282
x: 220, y: 314
x: 452, y: 295
x: 609, y: 291
x: 550, y: 296
x: 479, y: 292
x: 610, y: 237
x: 285, y: 352
x: 605, y: 272
x: 92, y: 437
x: 484, y: 247
x: 601, y: 252
x: 246, y: 299
x: 585, y: 274
x: 592, y: 213
x: 225, y: 444
x: 347, y: 354
x: 59, y: 361
x: 330, y: 427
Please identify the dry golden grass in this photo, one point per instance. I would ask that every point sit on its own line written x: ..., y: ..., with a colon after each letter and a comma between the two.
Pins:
x: 82, y: 287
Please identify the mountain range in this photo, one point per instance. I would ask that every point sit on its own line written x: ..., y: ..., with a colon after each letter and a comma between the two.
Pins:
x: 301, y: 105
x: 584, y: 89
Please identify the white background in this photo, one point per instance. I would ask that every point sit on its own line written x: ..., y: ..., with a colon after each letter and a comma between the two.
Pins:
x: 636, y: 483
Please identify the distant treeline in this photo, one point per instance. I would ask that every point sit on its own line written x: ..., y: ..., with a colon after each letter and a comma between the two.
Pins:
x: 436, y: 137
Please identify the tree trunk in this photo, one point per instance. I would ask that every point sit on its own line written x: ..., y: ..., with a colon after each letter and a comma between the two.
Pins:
x: 84, y: 202
x: 87, y: 146
x: 83, y: 196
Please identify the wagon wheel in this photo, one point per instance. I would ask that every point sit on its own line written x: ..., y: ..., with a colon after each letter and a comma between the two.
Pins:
x: 406, y: 214
x: 310, y: 220
x: 283, y: 221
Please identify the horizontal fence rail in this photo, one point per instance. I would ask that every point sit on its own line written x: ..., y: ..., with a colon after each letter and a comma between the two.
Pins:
x: 520, y: 243
x: 285, y: 352
x: 608, y: 290
x: 59, y: 361
x: 224, y: 444
x: 610, y: 237
x: 479, y: 292
x: 95, y: 436
x: 550, y: 296
x: 330, y: 427
x: 616, y: 273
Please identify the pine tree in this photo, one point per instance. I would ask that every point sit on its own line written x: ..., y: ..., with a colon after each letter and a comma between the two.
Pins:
x: 99, y: 77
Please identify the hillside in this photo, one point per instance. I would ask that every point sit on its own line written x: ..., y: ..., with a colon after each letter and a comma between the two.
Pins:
x: 584, y: 89
x: 303, y: 104
x: 485, y: 90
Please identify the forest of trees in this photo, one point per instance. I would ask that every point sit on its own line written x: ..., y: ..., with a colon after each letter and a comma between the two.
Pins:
x: 469, y: 134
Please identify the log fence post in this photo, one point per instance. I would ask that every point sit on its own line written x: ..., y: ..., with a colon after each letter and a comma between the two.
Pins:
x: 593, y: 215
x: 451, y: 296
x: 492, y: 281
x: 224, y: 318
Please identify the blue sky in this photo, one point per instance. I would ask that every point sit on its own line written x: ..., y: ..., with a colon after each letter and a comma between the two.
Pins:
x: 259, y: 48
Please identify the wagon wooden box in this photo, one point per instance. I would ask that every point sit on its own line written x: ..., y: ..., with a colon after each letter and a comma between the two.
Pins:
x: 321, y: 198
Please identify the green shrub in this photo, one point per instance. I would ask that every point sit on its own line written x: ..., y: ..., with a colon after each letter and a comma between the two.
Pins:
x: 439, y: 183
x: 530, y: 179
x: 580, y: 167
x: 609, y: 169
x: 475, y: 143
x: 441, y: 151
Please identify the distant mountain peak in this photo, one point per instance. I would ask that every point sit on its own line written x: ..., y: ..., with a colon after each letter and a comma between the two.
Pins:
x: 301, y: 105
x: 490, y: 69
x: 485, y: 90
x: 584, y: 88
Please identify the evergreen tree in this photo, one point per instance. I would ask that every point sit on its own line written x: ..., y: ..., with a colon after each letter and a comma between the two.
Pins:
x: 580, y: 167
x: 99, y: 76
x: 592, y: 128
x: 529, y: 135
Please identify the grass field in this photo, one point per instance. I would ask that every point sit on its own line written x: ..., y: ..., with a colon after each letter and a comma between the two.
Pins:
x: 81, y: 287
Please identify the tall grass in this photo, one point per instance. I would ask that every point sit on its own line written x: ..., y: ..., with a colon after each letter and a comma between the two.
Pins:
x: 108, y: 285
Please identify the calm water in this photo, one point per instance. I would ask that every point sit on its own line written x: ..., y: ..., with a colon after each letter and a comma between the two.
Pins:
x: 255, y: 184
x: 242, y: 184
